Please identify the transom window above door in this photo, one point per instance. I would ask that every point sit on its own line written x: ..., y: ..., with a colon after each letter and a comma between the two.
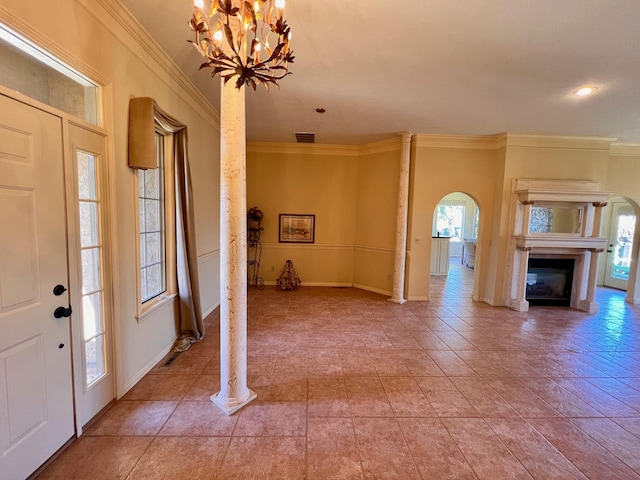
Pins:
x: 28, y: 70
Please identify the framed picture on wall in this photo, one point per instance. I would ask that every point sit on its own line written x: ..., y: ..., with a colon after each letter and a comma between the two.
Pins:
x: 297, y: 228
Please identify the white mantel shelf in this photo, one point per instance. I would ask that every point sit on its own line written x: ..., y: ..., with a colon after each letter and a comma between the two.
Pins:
x: 559, y: 242
x: 562, y: 196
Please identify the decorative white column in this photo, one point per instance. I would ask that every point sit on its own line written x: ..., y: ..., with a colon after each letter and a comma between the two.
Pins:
x: 234, y: 393
x: 400, y: 255
x: 520, y: 303
x: 589, y: 305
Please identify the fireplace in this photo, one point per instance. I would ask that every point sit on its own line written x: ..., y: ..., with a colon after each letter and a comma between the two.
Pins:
x: 549, y: 281
x: 556, y: 265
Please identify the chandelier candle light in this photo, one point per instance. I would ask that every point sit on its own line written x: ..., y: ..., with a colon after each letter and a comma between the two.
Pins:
x: 243, y: 39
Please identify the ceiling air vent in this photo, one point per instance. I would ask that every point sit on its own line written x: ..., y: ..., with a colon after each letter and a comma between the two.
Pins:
x: 305, y: 137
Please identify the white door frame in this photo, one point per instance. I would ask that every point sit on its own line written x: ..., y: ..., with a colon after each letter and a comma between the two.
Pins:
x: 72, y: 233
x: 89, y: 401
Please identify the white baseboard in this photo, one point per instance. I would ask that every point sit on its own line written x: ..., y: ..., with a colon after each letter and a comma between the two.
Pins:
x: 339, y: 285
x: 589, y: 307
x: 317, y: 284
x: 518, y: 305
x: 489, y: 301
x: 372, y: 289
x: 144, y: 370
x: 419, y: 298
x: 210, y: 310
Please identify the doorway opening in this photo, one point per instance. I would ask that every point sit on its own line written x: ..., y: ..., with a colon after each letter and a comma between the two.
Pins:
x: 456, y: 218
x: 622, y: 224
x: 453, y: 246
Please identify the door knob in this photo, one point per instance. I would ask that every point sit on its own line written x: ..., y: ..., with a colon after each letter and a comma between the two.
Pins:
x: 59, y: 290
x: 62, y: 312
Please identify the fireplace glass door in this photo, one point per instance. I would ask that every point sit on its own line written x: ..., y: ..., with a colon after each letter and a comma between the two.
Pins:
x: 549, y: 281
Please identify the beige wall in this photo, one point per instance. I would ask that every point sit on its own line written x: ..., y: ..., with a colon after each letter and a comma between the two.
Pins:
x: 353, y: 193
x: 377, y: 200
x: 459, y: 165
x: 98, y: 38
x: 304, y: 179
x: 623, y: 175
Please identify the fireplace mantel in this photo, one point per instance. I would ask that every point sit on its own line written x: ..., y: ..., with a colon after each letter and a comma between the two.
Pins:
x: 584, y: 244
x: 559, y: 242
x: 558, y: 197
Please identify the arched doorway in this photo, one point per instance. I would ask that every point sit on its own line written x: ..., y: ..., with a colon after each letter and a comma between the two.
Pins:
x: 455, y: 232
x: 620, y: 228
x: 456, y: 217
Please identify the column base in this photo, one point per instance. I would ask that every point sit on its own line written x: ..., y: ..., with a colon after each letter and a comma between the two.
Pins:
x: 588, y: 306
x: 232, y: 405
x: 396, y: 300
x: 518, y: 305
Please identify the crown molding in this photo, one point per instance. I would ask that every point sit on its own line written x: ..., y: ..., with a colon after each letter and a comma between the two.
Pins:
x: 389, y: 145
x: 563, y: 142
x: 135, y: 30
x: 475, y: 142
x: 303, y: 149
x: 625, y: 149
x: 494, y: 142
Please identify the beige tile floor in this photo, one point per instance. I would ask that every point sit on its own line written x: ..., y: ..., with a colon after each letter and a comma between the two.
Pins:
x: 352, y: 386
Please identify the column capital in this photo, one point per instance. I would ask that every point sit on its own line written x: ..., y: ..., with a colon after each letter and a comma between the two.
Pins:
x: 405, y: 136
x: 600, y: 204
x: 596, y: 250
x: 528, y: 202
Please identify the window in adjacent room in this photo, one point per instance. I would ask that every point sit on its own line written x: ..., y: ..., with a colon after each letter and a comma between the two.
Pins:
x: 476, y: 219
x: 449, y: 221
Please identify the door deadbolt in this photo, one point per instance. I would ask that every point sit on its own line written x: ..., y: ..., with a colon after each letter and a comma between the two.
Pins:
x: 59, y: 290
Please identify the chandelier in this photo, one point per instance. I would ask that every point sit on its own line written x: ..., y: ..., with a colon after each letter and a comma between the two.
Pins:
x: 243, y: 39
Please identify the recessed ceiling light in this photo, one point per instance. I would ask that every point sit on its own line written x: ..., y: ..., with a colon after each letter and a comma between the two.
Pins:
x: 585, y: 91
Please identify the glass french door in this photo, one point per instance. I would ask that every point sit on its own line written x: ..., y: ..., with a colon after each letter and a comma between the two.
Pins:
x: 621, y: 228
x: 92, y: 329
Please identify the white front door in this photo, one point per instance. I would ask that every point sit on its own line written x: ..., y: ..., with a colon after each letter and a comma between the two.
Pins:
x: 36, y: 394
x: 621, y: 228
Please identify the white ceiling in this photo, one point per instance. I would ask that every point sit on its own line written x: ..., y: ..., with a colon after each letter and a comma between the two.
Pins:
x: 461, y: 67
